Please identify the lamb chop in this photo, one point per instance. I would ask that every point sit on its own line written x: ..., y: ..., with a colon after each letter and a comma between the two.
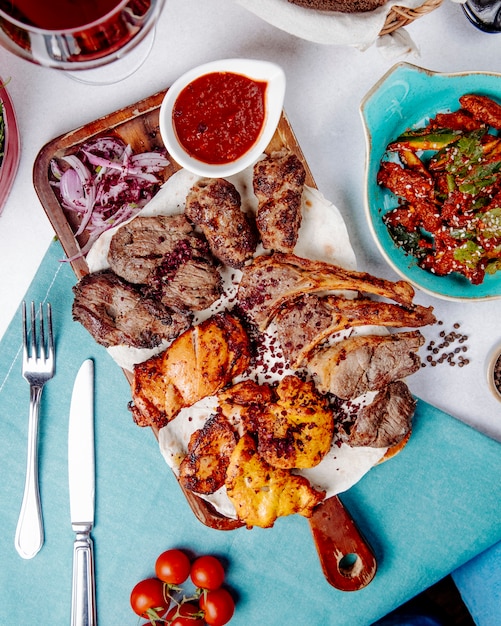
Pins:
x: 214, y: 205
x: 117, y: 313
x: 386, y: 421
x: 270, y: 282
x: 305, y: 323
x: 364, y: 363
x: 278, y: 185
x: 166, y: 254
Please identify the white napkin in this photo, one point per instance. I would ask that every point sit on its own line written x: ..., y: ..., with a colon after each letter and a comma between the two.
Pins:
x: 327, y: 27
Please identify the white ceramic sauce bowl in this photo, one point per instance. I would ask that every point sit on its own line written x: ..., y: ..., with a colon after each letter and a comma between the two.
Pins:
x: 256, y: 70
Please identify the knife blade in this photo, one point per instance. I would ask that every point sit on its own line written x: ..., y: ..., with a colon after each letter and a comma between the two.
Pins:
x: 81, y: 475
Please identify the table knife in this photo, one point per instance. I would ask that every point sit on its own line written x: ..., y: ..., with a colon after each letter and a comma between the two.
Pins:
x: 81, y: 473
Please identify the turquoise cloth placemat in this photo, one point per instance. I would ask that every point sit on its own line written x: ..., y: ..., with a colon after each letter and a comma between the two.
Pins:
x: 425, y: 512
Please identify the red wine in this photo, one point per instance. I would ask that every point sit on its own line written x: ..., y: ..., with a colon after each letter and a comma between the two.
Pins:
x: 92, y: 37
x: 58, y: 14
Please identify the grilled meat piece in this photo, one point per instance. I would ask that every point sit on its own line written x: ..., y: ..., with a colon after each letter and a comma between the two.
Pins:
x: 192, y: 283
x: 239, y: 402
x: 117, y: 313
x: 304, y: 324
x: 139, y: 246
x: 166, y: 254
x: 294, y: 431
x: 261, y: 493
x: 203, y: 470
x: 200, y: 362
x: 270, y: 282
x: 278, y: 184
x: 386, y: 421
x: 364, y: 363
x: 214, y: 205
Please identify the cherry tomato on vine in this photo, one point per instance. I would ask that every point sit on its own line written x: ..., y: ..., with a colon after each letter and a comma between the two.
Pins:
x: 147, y: 596
x: 207, y: 572
x: 186, y: 614
x: 173, y: 567
x: 218, y: 606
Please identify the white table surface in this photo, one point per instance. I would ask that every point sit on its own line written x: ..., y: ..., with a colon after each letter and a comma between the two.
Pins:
x: 325, y: 85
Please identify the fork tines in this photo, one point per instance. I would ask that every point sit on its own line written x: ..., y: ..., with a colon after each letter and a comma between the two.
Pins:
x: 38, y: 347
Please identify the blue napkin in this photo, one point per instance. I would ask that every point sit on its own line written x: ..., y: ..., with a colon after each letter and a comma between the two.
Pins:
x: 425, y: 512
x: 479, y: 582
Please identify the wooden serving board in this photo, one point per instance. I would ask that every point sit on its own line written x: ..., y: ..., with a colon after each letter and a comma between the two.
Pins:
x: 346, y: 559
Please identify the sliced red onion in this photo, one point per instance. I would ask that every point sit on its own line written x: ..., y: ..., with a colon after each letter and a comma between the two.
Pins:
x: 106, y: 184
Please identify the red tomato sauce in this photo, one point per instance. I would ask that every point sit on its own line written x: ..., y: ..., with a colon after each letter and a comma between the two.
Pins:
x: 219, y: 116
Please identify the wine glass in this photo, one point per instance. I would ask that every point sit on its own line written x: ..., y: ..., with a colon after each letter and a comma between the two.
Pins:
x: 81, y: 36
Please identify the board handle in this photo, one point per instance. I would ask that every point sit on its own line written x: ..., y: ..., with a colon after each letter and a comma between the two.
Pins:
x: 347, y: 560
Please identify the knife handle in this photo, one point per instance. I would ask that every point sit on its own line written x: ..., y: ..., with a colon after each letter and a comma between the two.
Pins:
x: 83, y: 597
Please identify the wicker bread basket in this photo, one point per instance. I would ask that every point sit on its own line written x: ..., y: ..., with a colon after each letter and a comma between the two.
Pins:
x: 401, y: 16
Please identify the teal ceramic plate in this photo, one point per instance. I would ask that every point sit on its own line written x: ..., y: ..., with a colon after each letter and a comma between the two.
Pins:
x: 408, y: 96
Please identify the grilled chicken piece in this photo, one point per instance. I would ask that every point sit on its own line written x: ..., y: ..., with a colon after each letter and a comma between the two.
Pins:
x: 278, y: 184
x: 239, y: 402
x: 304, y: 324
x: 364, y: 363
x: 166, y: 254
x: 117, y: 313
x: 214, y: 205
x: 261, y: 493
x: 270, y: 282
x: 199, y: 363
x: 386, y: 421
x: 203, y: 470
x: 295, y: 431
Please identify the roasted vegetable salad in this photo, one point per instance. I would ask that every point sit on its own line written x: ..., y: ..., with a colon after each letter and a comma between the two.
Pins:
x: 447, y: 176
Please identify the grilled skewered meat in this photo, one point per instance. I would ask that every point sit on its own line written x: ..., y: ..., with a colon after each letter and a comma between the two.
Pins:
x: 278, y: 185
x: 214, y: 205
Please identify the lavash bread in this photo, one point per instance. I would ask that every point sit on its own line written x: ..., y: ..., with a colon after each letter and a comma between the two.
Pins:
x: 343, y: 6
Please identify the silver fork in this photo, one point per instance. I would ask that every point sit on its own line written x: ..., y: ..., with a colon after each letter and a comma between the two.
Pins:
x: 38, y: 368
